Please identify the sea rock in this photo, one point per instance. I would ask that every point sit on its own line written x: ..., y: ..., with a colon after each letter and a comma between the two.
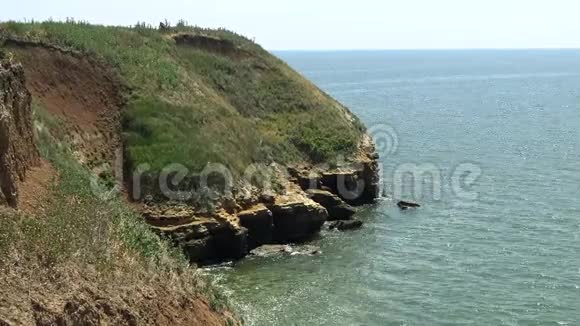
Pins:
x: 336, y: 207
x: 18, y: 151
x: 307, y: 250
x: 271, y: 250
x: 346, y: 225
x: 274, y: 250
x: 404, y: 205
x: 260, y: 224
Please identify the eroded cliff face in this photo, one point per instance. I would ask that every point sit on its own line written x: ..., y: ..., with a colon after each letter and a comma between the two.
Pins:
x: 355, y: 181
x: 84, y: 94
x: 232, y: 234
x: 311, y: 196
x: 18, y: 151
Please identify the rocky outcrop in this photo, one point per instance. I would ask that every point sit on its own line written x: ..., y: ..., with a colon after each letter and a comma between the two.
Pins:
x: 356, y: 182
x: 260, y: 224
x: 346, y: 225
x: 336, y: 207
x: 297, y: 221
x: 356, y: 186
x: 296, y: 217
x: 211, y: 44
x: 208, y: 239
x: 204, y: 42
x: 287, y: 218
x: 269, y: 220
x: 18, y: 151
x: 368, y: 158
x: 253, y: 219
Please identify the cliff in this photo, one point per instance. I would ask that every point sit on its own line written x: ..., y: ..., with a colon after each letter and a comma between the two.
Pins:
x: 204, y: 128
x: 217, y: 146
x: 18, y: 152
x: 78, y: 259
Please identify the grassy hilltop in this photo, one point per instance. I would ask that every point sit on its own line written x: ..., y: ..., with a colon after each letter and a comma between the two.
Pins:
x: 219, y: 99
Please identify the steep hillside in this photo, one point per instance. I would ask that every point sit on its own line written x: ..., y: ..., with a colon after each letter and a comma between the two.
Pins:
x: 203, y: 96
x: 156, y: 109
x: 83, y: 93
x: 80, y: 259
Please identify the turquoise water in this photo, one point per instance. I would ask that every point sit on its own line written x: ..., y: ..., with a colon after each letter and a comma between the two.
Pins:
x: 506, y: 254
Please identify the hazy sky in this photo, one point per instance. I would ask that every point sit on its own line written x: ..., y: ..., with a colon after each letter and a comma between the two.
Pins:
x: 335, y: 24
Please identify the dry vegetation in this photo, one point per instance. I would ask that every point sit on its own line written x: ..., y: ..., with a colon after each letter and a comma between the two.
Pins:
x: 88, y: 260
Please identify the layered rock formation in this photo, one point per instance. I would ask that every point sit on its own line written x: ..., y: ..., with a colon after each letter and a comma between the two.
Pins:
x: 209, y: 43
x: 356, y: 182
x: 208, y: 239
x: 259, y: 221
x: 291, y: 217
x: 336, y: 207
x: 296, y: 217
x: 310, y: 198
x: 18, y: 150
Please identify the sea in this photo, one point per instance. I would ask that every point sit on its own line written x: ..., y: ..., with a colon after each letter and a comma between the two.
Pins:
x: 488, y: 142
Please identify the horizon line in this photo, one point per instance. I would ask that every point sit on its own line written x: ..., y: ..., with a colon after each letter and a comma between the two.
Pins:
x: 427, y: 49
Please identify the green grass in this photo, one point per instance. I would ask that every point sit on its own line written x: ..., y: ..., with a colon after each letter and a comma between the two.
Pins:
x: 191, y: 106
x: 160, y: 133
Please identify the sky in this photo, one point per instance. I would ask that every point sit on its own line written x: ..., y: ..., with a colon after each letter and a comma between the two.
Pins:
x: 341, y: 25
